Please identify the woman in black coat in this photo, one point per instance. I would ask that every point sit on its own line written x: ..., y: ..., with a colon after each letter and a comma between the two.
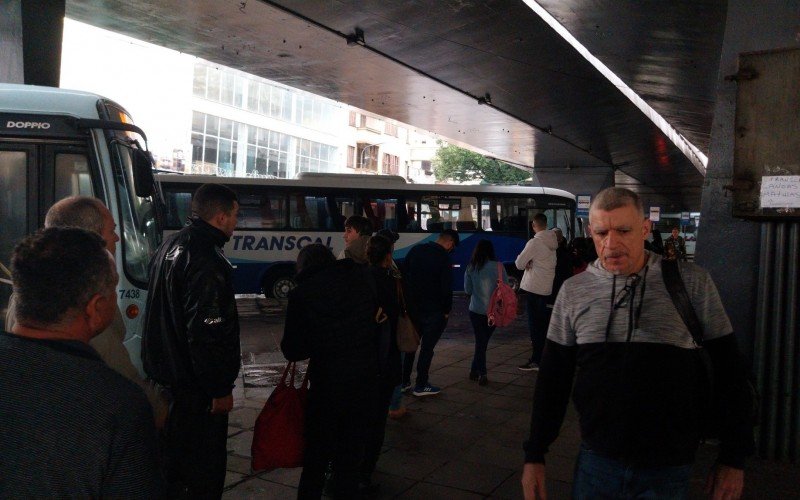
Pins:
x: 330, y: 320
x: 379, y: 253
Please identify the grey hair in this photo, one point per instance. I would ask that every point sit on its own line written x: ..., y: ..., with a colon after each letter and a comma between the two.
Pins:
x: 83, y: 212
x: 615, y: 197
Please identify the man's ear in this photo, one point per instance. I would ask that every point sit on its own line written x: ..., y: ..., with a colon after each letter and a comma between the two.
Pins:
x: 94, y: 313
x: 647, y: 227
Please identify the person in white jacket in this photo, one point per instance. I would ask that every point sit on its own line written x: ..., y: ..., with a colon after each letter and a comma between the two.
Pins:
x: 538, y: 259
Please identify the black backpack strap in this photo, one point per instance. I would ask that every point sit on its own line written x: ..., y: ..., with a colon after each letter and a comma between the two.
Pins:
x: 680, y: 297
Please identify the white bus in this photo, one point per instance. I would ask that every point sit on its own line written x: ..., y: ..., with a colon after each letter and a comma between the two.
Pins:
x: 56, y: 143
x: 279, y: 216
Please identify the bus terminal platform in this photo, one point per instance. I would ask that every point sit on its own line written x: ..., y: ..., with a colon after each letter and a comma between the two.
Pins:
x: 464, y: 443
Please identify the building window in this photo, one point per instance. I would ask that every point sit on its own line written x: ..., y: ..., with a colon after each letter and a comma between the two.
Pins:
x: 213, y: 145
x: 391, y: 129
x: 391, y: 164
x: 351, y: 157
x: 371, y: 123
x: 367, y: 156
x: 267, y: 153
x: 315, y: 157
x: 352, y: 119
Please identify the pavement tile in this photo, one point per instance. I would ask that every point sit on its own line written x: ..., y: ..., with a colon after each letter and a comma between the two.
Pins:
x: 436, y: 406
x: 244, y: 418
x: 232, y: 478
x: 240, y: 444
x: 408, y: 465
x: 420, y: 420
x: 512, y: 489
x: 491, y: 451
x: 239, y: 464
x: 486, y: 414
x: 391, y: 486
x: 507, y: 403
x: 287, y: 477
x: 256, y: 488
x: 427, y: 491
x: 463, y: 392
x: 477, y: 478
x: 515, y: 391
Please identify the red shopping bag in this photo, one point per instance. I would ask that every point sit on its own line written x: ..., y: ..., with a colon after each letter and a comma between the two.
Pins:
x: 278, y: 440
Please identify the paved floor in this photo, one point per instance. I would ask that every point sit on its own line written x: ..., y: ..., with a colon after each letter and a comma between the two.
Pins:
x: 462, y: 444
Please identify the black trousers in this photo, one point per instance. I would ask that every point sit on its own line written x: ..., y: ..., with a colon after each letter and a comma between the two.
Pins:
x: 336, y: 429
x: 195, y: 447
x: 376, y: 430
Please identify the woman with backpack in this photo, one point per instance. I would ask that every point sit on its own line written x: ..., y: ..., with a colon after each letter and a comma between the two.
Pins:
x: 480, y: 281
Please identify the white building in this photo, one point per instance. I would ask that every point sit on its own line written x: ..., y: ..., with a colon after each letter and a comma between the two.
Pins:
x: 205, y: 118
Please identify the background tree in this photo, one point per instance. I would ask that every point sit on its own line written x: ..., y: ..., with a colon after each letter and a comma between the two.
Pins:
x: 459, y: 164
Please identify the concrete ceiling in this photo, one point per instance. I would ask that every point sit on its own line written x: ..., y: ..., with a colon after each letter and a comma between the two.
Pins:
x: 427, y: 63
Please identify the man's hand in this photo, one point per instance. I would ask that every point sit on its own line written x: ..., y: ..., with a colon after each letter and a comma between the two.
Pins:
x: 222, y: 405
x: 533, y: 482
x: 725, y: 483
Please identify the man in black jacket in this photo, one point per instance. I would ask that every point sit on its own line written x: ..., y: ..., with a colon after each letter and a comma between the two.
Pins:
x: 428, y: 278
x: 191, y: 342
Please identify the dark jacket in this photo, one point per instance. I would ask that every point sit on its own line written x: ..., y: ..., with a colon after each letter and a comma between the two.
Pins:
x: 428, y: 280
x: 386, y: 283
x: 330, y: 318
x: 191, y: 325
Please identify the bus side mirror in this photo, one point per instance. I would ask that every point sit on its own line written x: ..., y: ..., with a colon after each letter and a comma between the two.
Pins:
x: 143, y: 180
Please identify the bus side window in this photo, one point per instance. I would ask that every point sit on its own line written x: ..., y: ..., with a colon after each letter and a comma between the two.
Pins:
x: 298, y: 213
x: 179, y: 208
x: 412, y: 222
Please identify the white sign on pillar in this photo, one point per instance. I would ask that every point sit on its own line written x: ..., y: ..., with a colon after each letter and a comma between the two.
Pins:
x: 655, y: 214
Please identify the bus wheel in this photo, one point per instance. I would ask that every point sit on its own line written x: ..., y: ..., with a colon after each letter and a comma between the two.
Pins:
x: 280, y: 287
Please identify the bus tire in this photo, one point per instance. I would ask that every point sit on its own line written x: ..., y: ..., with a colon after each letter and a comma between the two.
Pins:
x: 279, y: 285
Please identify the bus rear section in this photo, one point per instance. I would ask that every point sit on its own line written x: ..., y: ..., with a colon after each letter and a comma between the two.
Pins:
x: 277, y: 217
x: 56, y: 143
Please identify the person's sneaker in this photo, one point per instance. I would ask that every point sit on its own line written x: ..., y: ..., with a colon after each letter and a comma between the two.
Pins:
x: 484, y: 380
x: 530, y: 366
x: 473, y: 375
x: 405, y: 388
x: 398, y: 413
x: 427, y: 390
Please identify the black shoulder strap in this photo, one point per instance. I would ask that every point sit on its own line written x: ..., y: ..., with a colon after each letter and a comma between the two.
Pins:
x: 680, y: 297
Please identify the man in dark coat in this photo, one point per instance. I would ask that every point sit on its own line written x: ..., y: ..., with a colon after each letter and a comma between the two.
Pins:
x: 428, y: 277
x: 191, y: 342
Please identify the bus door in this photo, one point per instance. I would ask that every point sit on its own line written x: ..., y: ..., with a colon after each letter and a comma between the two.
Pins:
x: 34, y: 174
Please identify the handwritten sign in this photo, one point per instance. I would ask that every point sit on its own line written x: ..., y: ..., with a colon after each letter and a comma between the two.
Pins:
x: 655, y: 214
x: 780, y: 191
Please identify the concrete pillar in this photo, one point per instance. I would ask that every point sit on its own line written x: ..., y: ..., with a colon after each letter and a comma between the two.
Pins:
x: 30, y: 41
x: 731, y: 249
x: 722, y: 240
x: 11, y: 66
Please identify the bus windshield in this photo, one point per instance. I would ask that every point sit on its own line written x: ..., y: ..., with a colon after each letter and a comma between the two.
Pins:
x: 139, y: 232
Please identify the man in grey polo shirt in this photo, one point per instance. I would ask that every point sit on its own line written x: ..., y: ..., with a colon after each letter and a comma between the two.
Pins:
x: 639, y: 384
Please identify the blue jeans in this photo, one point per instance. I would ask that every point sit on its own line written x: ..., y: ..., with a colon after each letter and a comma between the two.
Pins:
x: 599, y: 477
x: 483, y: 332
x: 431, y: 326
x: 538, y: 321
